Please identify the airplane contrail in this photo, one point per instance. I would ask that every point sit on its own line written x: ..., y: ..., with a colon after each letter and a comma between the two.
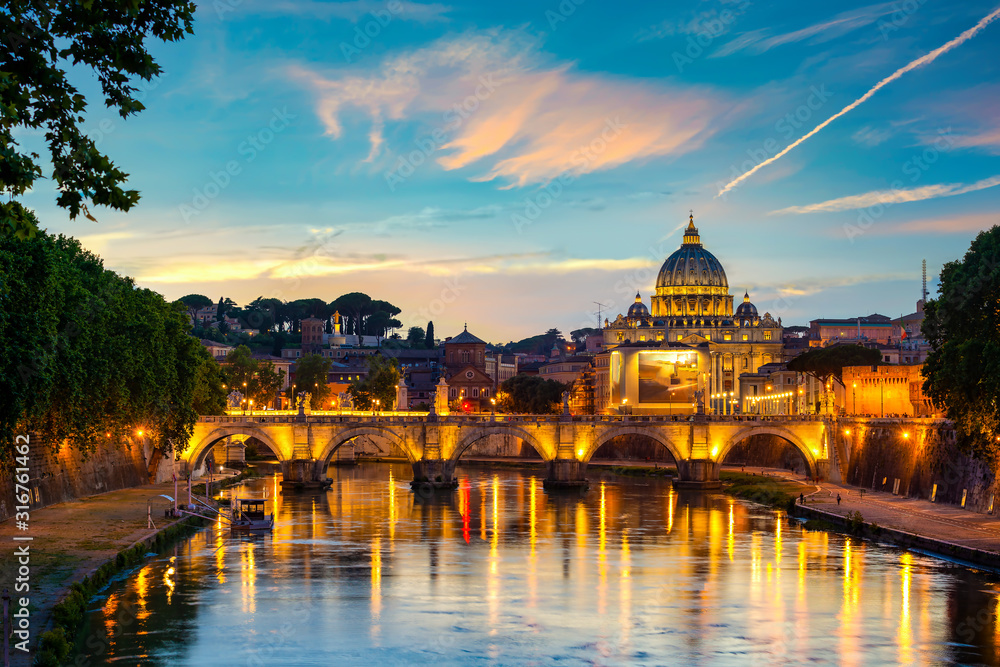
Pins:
x: 919, y: 62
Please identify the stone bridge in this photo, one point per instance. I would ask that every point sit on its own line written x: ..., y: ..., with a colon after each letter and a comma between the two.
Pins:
x: 306, y: 445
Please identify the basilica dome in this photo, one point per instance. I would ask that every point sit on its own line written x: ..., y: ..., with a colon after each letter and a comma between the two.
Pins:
x: 691, y: 265
x: 746, y: 308
x: 638, y: 309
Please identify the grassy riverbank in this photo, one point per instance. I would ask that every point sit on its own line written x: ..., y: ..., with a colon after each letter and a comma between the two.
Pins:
x: 773, y: 492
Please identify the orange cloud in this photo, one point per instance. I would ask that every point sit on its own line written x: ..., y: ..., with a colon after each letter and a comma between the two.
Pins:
x: 491, y: 102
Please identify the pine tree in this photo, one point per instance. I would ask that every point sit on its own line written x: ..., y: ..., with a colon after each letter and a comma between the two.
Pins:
x: 429, y: 340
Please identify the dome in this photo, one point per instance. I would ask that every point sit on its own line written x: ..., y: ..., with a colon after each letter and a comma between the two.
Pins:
x: 638, y: 309
x: 691, y: 265
x: 746, y: 308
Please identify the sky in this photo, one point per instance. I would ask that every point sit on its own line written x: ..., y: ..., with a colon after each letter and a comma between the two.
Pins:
x: 513, y: 165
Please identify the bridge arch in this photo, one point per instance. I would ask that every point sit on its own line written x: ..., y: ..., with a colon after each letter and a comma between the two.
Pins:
x: 651, y: 433
x: 195, y: 456
x: 474, y: 435
x: 343, y: 437
x: 783, y: 433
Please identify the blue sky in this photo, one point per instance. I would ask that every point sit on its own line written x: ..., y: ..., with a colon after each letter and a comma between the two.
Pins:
x: 509, y: 164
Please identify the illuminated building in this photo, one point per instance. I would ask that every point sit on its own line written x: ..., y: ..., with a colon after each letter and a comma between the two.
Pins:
x: 690, y: 339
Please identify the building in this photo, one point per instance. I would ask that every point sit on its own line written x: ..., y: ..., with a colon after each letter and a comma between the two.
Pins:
x: 578, y: 373
x: 312, y: 329
x: 876, y: 328
x: 913, y: 347
x: 219, y: 351
x: 690, y: 340
x: 884, y: 391
x: 469, y: 386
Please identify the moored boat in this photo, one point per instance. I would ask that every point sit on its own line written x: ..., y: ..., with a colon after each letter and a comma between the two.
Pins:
x: 248, y: 515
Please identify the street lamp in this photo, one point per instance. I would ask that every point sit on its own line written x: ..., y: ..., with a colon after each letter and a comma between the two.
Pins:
x: 493, y: 407
x: 854, y: 387
x: 251, y: 407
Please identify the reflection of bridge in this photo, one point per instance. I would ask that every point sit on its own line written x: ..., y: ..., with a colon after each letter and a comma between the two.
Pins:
x: 305, y: 445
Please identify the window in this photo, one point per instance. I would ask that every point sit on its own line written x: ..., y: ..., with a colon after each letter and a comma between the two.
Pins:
x: 746, y: 363
x: 475, y: 392
x: 727, y: 362
x: 679, y: 337
x: 767, y: 335
x: 659, y: 336
x: 708, y: 336
x: 453, y: 392
x: 746, y: 336
x: 486, y: 393
x: 642, y: 337
x: 727, y: 336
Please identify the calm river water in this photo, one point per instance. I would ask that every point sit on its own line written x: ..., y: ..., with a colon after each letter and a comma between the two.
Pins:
x: 501, y: 572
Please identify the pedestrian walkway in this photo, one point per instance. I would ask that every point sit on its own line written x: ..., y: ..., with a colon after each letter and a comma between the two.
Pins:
x: 948, y: 523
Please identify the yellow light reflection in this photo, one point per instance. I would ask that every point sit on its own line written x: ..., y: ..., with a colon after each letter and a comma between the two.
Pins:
x: 670, y: 509
x: 249, y: 579
x: 625, y: 595
x: 602, y: 554
x: 142, y: 589
x: 533, y: 533
x: 493, y: 581
x: 168, y: 580
x: 905, y: 639
x: 392, y: 508
x: 376, y: 571
x: 731, y: 539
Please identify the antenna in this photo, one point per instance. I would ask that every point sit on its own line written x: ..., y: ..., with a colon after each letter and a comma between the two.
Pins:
x: 923, y: 292
x: 599, y: 306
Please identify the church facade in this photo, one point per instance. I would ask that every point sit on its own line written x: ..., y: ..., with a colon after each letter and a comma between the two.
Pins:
x: 689, y: 346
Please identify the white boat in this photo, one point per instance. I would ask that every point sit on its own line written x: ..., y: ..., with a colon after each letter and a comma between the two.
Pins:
x: 248, y: 516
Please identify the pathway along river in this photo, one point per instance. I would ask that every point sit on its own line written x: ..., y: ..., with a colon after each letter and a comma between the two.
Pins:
x: 501, y: 572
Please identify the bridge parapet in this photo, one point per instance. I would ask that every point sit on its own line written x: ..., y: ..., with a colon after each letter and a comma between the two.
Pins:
x: 307, y: 444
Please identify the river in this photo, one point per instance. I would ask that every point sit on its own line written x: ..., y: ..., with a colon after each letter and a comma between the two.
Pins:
x: 502, y: 572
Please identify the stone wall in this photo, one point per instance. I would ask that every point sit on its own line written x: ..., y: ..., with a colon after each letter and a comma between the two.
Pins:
x: 68, y: 474
x: 920, y: 453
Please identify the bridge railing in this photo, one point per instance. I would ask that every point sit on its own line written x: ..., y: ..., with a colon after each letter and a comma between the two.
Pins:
x: 358, y: 417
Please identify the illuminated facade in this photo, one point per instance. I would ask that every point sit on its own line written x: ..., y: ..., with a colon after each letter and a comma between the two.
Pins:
x: 691, y: 315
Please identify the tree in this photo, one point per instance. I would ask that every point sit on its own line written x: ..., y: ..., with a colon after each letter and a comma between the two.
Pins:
x: 85, y: 355
x: 415, y: 336
x: 194, y: 303
x: 224, y: 309
x: 962, y: 371
x: 209, y: 396
x: 380, y: 383
x: 531, y: 394
x: 311, y: 374
x: 429, y: 340
x: 354, y: 307
x: 380, y: 322
x: 579, y: 336
x: 42, y: 39
x: 256, y: 379
x: 826, y: 362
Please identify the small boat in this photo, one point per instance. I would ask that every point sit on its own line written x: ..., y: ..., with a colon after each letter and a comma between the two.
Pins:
x: 248, y: 516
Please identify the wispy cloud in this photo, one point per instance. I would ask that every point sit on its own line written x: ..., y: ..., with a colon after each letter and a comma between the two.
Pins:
x: 525, y: 119
x: 758, y: 41
x: 871, y: 136
x: 897, y: 196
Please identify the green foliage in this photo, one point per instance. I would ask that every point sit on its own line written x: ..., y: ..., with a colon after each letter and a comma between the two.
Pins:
x: 311, y: 373
x: 383, y: 377
x: 415, y: 336
x: 194, y: 303
x: 541, y: 344
x: 84, y: 353
x: 759, y: 489
x: 855, y: 521
x: 209, y: 396
x: 42, y: 39
x: 429, y: 341
x: 53, y: 647
x: 579, y: 336
x: 962, y: 326
x: 531, y: 394
x: 256, y: 379
x: 826, y: 362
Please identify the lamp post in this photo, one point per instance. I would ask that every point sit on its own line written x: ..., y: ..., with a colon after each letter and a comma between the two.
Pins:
x: 854, y: 400
x: 251, y: 407
x: 493, y: 406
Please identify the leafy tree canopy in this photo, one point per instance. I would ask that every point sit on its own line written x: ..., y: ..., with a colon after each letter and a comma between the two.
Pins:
x: 383, y: 377
x: 415, y: 336
x: 531, y: 394
x: 42, y: 39
x: 429, y: 342
x: 962, y: 325
x: 85, y: 355
x: 826, y: 362
x: 256, y: 379
x: 311, y: 374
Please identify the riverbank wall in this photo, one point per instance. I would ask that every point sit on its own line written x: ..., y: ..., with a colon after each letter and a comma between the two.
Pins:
x: 68, y: 474
x: 915, y: 458
x: 903, y: 539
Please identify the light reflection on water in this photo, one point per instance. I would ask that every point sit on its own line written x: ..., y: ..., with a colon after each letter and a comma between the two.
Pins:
x: 502, y: 572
